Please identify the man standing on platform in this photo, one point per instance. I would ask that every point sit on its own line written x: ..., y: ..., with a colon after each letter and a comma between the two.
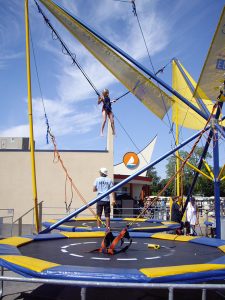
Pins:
x: 101, y: 185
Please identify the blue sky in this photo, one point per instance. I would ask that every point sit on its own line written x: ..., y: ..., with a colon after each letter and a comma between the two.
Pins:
x: 172, y: 28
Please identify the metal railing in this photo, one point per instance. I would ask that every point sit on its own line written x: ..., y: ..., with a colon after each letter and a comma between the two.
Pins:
x: 84, y: 285
x: 6, y: 221
x: 18, y: 230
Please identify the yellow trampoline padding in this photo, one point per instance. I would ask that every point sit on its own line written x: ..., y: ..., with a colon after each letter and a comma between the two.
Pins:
x: 30, y: 263
x: 15, y: 241
x: 173, y: 237
x: 152, y: 227
x: 84, y: 219
x: 135, y: 219
x: 222, y: 248
x: 52, y: 221
x: 169, y: 223
x: 176, y: 270
x: 83, y: 234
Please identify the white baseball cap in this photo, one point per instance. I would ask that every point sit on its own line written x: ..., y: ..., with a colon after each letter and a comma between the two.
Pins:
x: 104, y: 171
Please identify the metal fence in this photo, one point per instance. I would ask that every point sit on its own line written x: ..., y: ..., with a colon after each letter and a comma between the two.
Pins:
x: 84, y: 285
x: 6, y: 222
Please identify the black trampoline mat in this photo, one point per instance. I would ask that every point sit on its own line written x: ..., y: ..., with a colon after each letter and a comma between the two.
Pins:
x: 77, y: 252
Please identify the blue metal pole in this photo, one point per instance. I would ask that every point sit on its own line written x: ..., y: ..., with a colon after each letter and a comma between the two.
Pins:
x: 201, y: 104
x: 220, y: 129
x: 114, y: 188
x: 196, y: 173
x: 137, y: 64
x: 218, y: 111
x: 216, y: 183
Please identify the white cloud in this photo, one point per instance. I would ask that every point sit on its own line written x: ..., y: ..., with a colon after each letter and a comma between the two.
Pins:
x: 16, y: 131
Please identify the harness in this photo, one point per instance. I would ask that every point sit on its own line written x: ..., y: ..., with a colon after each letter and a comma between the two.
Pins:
x: 110, y: 242
x: 107, y: 104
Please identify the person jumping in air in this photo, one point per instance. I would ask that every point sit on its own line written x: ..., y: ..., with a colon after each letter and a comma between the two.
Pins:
x: 106, y: 110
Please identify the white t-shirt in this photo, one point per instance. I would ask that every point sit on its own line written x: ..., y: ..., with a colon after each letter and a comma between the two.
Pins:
x: 103, y: 184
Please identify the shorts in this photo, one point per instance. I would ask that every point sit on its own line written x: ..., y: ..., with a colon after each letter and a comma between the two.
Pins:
x: 107, y: 110
x: 106, y: 206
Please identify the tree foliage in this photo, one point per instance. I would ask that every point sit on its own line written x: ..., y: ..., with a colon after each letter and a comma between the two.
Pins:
x: 203, y: 185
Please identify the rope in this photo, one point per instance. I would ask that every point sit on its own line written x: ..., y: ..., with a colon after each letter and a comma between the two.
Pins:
x: 149, y: 56
x: 39, y: 85
x: 132, y: 141
x: 67, y: 51
x: 57, y: 157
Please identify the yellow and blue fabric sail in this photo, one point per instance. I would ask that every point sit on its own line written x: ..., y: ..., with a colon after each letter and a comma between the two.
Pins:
x: 155, y: 99
x: 181, y: 114
x: 212, y: 75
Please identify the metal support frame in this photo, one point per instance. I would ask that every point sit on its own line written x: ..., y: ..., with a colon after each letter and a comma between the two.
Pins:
x: 216, y: 183
x: 30, y: 115
x: 213, y: 133
x: 97, y: 284
x: 203, y: 112
x: 210, y: 136
x: 208, y: 169
x: 195, y: 168
x: 83, y: 293
x: 117, y: 186
x: 197, y: 173
x: 1, y: 282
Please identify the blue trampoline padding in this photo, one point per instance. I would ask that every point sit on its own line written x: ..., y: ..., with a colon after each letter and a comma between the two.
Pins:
x: 48, y: 236
x: 220, y: 261
x: 95, y: 273
x: 8, y: 250
x: 141, y: 234
x: 208, y: 223
x: 208, y: 242
x: 112, y: 274
x: 80, y: 273
x: 154, y: 221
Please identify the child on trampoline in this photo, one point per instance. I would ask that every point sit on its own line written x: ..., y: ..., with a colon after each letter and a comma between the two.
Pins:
x: 106, y: 110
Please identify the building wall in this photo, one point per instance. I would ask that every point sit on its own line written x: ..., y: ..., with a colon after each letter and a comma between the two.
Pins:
x: 15, y: 178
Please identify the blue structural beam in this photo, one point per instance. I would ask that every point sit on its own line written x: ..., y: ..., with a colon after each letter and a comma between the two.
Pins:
x: 197, y: 173
x: 216, y: 183
x: 220, y: 129
x: 137, y: 64
x: 201, y: 104
x: 216, y: 172
x: 116, y: 187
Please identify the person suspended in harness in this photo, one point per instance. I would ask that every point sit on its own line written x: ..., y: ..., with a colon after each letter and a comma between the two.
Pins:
x: 106, y: 110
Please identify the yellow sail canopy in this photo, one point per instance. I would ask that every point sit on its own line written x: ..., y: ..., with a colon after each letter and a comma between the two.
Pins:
x: 181, y: 114
x: 136, y: 82
x: 212, y: 74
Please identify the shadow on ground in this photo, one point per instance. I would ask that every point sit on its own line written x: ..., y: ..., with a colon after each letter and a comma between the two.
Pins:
x: 50, y: 292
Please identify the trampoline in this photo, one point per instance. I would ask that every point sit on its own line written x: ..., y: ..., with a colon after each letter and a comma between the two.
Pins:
x: 80, y: 224
x: 67, y: 255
